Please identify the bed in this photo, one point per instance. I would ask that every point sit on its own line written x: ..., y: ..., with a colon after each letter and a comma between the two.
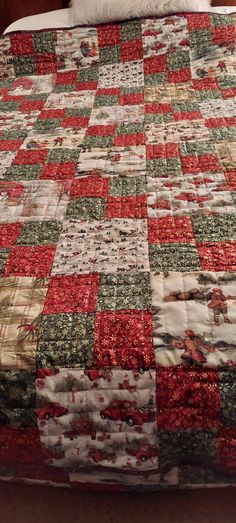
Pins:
x: 118, y: 252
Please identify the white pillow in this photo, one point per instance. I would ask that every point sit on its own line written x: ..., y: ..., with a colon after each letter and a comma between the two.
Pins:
x: 85, y: 12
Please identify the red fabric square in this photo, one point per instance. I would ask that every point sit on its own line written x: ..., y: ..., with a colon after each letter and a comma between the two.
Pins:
x: 178, y: 77
x: 123, y: 338
x: 9, y: 233
x: 28, y: 106
x: 10, y: 145
x: 230, y: 176
x: 126, y: 207
x: 155, y: 64
x: 187, y: 115
x: 59, y: 171
x: 224, y: 34
x: 52, y: 113
x: 86, y: 86
x: 72, y: 294
x: 109, y: 91
x: 156, y: 108
x: 30, y: 157
x: 108, y: 35
x: 170, y: 229
x: 187, y: 399
x: 199, y: 164
x: 217, y: 256
x: 198, y: 21
x: 90, y: 186
x: 221, y: 122
x: 169, y: 150
x: 126, y: 140
x: 46, y: 63
x: 66, y: 78
x: 22, y: 46
x: 30, y: 261
x: 131, y: 50
x: 226, y: 450
x: 229, y: 93
x: 101, y: 130
x: 205, y: 84
x: 131, y: 99
x: 76, y: 122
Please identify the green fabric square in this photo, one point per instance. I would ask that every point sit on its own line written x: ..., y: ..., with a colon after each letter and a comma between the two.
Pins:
x: 47, y: 124
x: 227, y: 81
x: 23, y: 172
x: 214, y: 228
x: 130, y: 30
x: 72, y: 111
x: 227, y: 387
x: 88, y: 74
x: 24, y: 65
x: 127, y: 186
x: 196, y: 148
x: 131, y: 128
x: 204, y: 94
x: 178, y: 60
x: 40, y: 233
x: 221, y: 20
x: 200, y: 38
x: 3, y: 258
x: 109, y: 55
x: 61, y: 155
x: 86, y: 208
x: 65, y: 88
x: 223, y: 133
x: 126, y: 291
x: 65, y: 340
x: 14, y: 134
x: 17, y: 389
x: 102, y: 142
x: 44, y: 42
x: 179, y: 257
x: 154, y: 118
x: 8, y: 106
x: 153, y: 79
x: 187, y: 446
x: 164, y: 166
x: 103, y: 100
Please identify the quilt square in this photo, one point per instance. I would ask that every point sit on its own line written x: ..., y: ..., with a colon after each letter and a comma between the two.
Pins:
x: 108, y: 246
x: 126, y: 207
x: 72, y: 294
x: 170, y: 229
x: 9, y: 233
x: 23, y: 298
x: 194, y: 319
x: 39, y: 233
x: 124, y: 291
x: 123, y: 338
x: 90, y: 186
x: 227, y: 388
x: 58, y: 171
x: 42, y: 200
x: 217, y: 256
x: 86, y: 208
x: 30, y: 261
x: 121, y: 75
x: 214, y: 228
x: 65, y: 340
x: 174, y: 257
x: 187, y: 400
x: 192, y: 446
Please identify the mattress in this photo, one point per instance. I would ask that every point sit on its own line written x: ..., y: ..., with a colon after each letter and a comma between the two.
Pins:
x: 118, y: 254
x: 61, y: 18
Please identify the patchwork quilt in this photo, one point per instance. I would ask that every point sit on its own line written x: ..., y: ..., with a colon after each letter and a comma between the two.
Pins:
x: 118, y: 254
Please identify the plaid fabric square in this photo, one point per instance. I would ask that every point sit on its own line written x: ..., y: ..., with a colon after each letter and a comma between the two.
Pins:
x: 22, y: 301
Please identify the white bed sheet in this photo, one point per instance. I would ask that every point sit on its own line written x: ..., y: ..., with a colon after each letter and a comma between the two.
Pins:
x: 61, y: 18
